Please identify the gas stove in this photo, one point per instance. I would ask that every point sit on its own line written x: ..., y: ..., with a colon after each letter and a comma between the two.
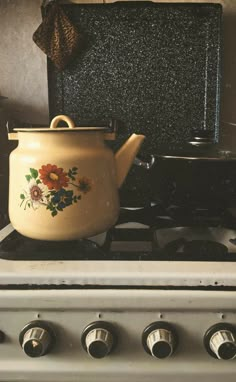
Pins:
x: 143, y: 301
x: 153, y: 298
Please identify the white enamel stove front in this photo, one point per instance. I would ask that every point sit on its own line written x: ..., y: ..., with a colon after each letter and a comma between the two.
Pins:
x: 112, y: 321
x: 128, y: 312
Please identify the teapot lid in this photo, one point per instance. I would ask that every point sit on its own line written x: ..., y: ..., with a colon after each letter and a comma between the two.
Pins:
x: 54, y: 126
x: 59, y: 129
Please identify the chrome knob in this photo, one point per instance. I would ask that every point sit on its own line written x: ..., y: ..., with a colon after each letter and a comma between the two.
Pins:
x: 220, y: 341
x: 99, y: 342
x: 98, y: 339
x: 36, y: 342
x: 223, y: 344
x: 159, y: 339
x: 160, y: 343
x: 36, y: 339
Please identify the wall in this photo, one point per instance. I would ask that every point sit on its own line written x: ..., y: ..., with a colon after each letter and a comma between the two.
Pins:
x: 23, y: 72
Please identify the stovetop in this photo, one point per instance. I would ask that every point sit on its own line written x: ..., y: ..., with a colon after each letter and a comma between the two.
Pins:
x: 129, y: 244
x: 156, y: 234
x: 164, y: 253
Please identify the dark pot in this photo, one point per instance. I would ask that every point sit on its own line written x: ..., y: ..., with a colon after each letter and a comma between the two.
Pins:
x: 196, y: 181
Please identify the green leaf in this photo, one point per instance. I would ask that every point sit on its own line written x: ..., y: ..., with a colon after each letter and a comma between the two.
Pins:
x: 54, y: 213
x: 34, y: 173
x: 50, y: 206
x: 70, y: 174
x: 22, y: 196
x: 29, y: 205
x: 28, y: 177
x: 38, y: 181
x: 74, y: 169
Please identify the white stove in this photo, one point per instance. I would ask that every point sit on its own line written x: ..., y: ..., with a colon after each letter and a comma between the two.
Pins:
x: 110, y: 319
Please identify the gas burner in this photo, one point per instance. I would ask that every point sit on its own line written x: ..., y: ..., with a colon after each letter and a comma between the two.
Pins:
x: 18, y: 247
x: 196, y: 248
x: 196, y: 243
x: 205, y: 248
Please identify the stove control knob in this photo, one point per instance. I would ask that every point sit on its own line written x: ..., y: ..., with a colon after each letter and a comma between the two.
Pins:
x: 220, y: 341
x: 99, y: 339
x: 223, y: 344
x: 160, y: 343
x: 36, y: 339
x: 159, y: 340
x: 99, y: 342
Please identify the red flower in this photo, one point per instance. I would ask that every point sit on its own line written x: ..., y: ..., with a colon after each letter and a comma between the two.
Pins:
x: 53, y: 177
x: 85, y: 184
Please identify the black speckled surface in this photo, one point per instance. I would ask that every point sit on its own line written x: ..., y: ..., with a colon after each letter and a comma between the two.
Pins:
x: 154, y: 67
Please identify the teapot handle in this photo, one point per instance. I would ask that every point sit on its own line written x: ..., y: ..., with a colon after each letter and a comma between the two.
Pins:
x: 64, y: 118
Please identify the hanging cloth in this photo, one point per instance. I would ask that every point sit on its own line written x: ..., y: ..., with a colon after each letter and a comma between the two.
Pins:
x: 57, y: 36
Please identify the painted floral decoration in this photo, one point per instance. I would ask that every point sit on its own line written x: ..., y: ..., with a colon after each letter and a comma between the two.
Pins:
x: 54, y: 177
x: 54, y: 188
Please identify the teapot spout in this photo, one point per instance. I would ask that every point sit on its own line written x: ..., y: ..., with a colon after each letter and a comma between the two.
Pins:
x: 125, y: 156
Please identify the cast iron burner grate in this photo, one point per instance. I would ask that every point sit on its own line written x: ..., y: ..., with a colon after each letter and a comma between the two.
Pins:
x: 135, y: 244
x: 18, y: 247
x: 197, y: 249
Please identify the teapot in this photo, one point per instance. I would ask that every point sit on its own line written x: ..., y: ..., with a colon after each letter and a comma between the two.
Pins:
x: 64, y: 181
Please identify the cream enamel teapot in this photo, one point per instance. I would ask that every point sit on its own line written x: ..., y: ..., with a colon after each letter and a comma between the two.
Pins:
x: 64, y: 181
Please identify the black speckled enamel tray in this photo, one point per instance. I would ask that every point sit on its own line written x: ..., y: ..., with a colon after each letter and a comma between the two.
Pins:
x: 153, y: 67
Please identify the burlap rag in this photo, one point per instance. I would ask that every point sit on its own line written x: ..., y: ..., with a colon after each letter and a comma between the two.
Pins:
x: 57, y: 36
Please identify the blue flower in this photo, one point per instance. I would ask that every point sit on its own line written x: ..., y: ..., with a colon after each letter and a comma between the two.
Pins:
x: 62, y: 198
